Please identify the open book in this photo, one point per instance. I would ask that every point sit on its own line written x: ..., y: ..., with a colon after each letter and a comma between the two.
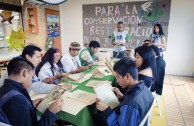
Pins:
x: 93, y: 83
x: 51, y: 97
x: 119, y: 43
x: 83, y: 96
x: 105, y: 71
x: 79, y: 77
x: 76, y: 77
x: 105, y: 93
x: 110, y: 66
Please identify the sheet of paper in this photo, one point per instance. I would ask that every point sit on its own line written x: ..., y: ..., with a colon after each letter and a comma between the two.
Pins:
x: 76, y: 76
x: 93, y: 83
x: 86, y: 77
x: 110, y: 66
x: 100, y: 63
x: 83, y: 96
x: 119, y: 43
x: 37, y: 96
x: 73, y: 86
x: 97, y: 73
x: 105, y: 71
x: 72, y: 106
x: 104, y: 92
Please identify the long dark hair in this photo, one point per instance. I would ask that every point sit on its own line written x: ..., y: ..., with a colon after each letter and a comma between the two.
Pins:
x: 48, y: 57
x: 160, y: 29
x: 149, y: 60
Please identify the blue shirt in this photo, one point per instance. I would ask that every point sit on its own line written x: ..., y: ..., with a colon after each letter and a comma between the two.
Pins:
x: 133, y: 107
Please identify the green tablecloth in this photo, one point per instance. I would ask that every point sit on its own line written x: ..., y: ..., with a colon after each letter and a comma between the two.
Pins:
x: 84, y: 117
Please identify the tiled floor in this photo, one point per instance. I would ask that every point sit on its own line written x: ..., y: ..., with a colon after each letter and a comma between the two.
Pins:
x: 179, y: 100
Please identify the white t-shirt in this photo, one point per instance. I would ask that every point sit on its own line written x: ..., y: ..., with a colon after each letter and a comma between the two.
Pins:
x: 45, y: 72
x: 70, y: 63
x: 120, y: 37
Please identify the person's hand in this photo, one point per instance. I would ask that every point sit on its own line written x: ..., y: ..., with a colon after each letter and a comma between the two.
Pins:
x: 64, y: 74
x: 56, y: 106
x: 123, y: 44
x: 83, y: 68
x: 58, y: 75
x: 89, y: 65
x: 37, y: 101
x: 101, y: 105
x: 117, y: 92
x: 114, y: 43
x: 67, y: 86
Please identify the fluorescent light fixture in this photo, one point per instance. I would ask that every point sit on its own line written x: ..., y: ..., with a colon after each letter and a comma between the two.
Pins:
x: 53, y: 1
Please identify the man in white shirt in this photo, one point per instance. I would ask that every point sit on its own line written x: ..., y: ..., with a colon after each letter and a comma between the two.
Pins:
x: 119, y: 39
x: 70, y: 61
x: 33, y: 54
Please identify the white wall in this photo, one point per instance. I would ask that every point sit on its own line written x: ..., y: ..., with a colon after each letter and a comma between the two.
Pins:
x: 180, y: 43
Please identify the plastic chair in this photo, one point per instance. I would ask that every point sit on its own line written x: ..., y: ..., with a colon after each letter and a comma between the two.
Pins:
x: 158, y: 102
x: 148, y: 115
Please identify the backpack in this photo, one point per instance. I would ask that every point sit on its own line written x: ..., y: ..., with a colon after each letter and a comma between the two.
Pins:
x: 3, y: 100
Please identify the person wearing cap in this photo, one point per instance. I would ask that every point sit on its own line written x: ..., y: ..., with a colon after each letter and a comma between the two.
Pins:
x: 88, y: 55
x: 49, y: 70
x: 119, y: 39
x: 70, y: 61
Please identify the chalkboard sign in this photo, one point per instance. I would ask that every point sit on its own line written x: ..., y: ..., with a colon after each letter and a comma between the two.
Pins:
x: 99, y: 20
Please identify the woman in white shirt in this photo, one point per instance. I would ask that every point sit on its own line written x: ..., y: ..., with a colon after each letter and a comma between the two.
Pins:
x: 48, y: 70
x: 158, y: 38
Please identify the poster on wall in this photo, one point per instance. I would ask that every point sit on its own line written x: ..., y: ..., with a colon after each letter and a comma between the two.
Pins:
x: 53, y: 25
x: 139, y: 18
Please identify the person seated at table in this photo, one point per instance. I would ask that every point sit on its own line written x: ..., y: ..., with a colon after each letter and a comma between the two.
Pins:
x: 146, y: 63
x: 48, y: 70
x: 88, y: 55
x: 32, y: 53
x: 70, y: 61
x: 18, y: 107
x: 134, y: 104
x: 147, y: 42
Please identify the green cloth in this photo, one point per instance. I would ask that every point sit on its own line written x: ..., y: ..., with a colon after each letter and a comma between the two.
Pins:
x: 83, y: 62
x: 84, y: 117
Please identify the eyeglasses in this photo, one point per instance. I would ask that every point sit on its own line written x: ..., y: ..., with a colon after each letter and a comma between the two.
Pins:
x: 75, y: 49
x: 57, y: 56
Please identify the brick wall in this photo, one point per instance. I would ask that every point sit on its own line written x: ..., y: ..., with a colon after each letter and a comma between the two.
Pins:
x: 40, y: 38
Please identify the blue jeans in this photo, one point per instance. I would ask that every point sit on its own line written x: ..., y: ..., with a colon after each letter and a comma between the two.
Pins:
x: 119, y: 54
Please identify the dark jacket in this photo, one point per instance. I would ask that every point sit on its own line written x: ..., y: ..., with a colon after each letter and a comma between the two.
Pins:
x: 134, y: 106
x: 19, y: 111
x: 158, y: 86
